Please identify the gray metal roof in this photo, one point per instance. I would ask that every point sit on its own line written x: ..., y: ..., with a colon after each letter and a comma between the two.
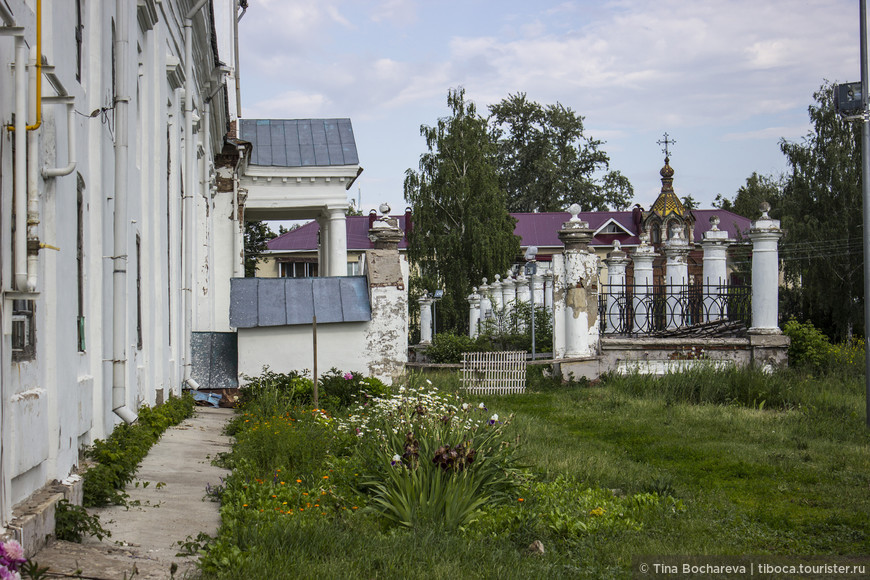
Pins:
x: 300, y: 142
x: 288, y: 301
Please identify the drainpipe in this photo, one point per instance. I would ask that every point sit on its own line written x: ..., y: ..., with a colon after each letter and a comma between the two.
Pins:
x: 237, y: 262
x: 20, y: 170
x: 49, y: 172
x: 19, y: 173
x: 236, y: 18
x: 33, y: 174
x: 189, y: 206
x: 119, y: 258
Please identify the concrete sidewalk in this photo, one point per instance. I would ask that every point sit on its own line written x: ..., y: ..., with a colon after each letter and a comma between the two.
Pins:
x: 172, y: 508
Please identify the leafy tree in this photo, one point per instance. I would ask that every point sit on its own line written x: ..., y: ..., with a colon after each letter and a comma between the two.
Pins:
x: 758, y: 189
x: 257, y: 233
x: 689, y: 202
x: 822, y: 217
x: 461, y: 229
x: 546, y: 163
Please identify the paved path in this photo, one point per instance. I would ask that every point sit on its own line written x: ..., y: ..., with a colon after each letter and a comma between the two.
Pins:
x: 146, y: 535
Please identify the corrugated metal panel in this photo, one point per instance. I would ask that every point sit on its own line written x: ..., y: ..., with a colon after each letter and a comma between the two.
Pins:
x: 333, y: 143
x: 300, y: 142
x: 215, y: 358
x: 243, y: 302
x: 291, y: 139
x: 264, y: 143
x: 270, y: 307
x: 321, y: 151
x: 355, y: 305
x: 306, y: 143
x: 279, y: 146
x: 327, y: 300
x: 288, y: 301
x: 299, y: 297
x: 348, y: 144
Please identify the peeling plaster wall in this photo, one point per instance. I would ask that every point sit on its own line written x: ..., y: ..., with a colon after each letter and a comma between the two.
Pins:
x: 387, y: 333
x: 575, y: 299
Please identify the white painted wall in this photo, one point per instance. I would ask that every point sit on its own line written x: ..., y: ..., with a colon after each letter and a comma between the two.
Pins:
x: 57, y: 402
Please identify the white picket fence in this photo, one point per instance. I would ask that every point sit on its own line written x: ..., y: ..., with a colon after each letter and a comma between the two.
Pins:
x: 499, y: 373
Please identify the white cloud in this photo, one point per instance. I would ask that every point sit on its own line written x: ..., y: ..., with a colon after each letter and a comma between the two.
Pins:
x: 776, y: 133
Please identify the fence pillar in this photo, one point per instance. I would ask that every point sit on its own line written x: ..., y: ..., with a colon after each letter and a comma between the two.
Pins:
x: 765, y: 234
x: 614, y: 317
x: 485, y: 303
x: 577, y: 288
x: 425, y: 319
x: 495, y: 295
x: 548, y: 290
x: 643, y: 257
x: 523, y: 296
x: 473, y: 313
x: 715, y: 275
x: 676, y: 278
x: 508, y: 290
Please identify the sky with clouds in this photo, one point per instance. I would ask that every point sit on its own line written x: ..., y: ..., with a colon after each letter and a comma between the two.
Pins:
x: 726, y: 79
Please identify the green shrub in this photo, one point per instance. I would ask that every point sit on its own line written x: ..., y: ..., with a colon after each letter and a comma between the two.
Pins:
x: 337, y: 389
x: 809, y: 346
x: 448, y: 347
x: 431, y: 459
x: 118, y: 456
x: 72, y: 522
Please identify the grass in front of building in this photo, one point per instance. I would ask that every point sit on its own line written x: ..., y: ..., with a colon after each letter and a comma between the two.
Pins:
x: 697, y: 463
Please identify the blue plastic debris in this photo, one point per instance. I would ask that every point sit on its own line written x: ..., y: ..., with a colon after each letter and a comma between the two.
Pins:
x: 212, y: 399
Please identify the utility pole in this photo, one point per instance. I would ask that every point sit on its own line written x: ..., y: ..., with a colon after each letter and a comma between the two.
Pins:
x: 865, y: 183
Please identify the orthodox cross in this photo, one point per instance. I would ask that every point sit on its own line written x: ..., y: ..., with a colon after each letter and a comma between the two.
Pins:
x: 666, y: 142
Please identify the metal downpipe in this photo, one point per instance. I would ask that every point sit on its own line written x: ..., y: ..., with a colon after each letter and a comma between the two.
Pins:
x: 119, y: 254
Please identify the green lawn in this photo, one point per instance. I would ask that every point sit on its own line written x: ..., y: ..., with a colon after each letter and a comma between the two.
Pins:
x: 630, y: 466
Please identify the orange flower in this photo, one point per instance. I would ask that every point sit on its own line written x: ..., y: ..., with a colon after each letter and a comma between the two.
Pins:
x: 325, y: 477
x: 521, y: 499
x: 298, y: 481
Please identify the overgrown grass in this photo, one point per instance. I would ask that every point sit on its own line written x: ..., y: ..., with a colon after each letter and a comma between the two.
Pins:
x: 698, y: 463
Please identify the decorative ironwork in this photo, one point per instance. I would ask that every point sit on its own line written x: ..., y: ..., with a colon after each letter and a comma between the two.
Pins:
x: 674, y: 310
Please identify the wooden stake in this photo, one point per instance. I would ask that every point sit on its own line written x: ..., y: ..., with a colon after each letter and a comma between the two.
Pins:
x: 314, y: 332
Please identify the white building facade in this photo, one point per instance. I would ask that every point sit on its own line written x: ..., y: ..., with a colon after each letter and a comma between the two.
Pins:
x: 115, y: 240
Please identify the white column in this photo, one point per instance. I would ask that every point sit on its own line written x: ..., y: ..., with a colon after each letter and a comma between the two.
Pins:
x: 495, y: 294
x: 577, y: 288
x: 337, y: 242
x: 615, y: 317
x: 548, y: 290
x: 508, y: 290
x: 643, y: 258
x: 676, y: 282
x: 425, y: 319
x: 538, y: 288
x: 473, y: 313
x: 523, y: 296
x: 485, y: 302
x: 715, y: 274
x: 765, y: 234
x: 522, y: 286
x: 323, y: 249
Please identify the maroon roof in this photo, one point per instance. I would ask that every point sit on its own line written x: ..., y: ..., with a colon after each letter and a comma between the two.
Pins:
x: 534, y: 229
x: 304, y: 238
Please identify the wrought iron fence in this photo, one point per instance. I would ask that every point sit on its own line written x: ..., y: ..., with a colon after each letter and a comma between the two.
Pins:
x: 674, y: 309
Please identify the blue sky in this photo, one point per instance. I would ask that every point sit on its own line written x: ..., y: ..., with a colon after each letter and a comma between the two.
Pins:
x: 726, y: 79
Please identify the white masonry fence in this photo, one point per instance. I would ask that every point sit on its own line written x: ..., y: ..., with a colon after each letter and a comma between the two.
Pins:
x: 494, y: 373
